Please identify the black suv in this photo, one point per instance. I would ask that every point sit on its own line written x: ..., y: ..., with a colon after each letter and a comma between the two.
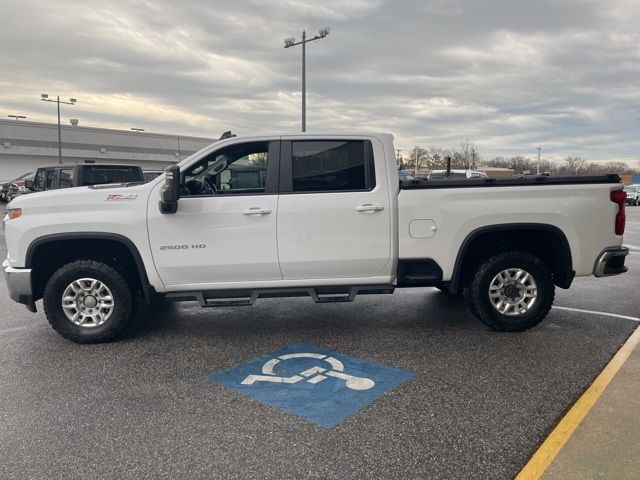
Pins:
x: 83, y: 174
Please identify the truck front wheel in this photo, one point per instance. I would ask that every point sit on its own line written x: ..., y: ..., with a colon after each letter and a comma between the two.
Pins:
x: 88, y: 301
x: 512, y: 291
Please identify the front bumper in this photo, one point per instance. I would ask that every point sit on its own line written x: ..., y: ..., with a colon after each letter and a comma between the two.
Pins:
x: 19, y: 285
x: 611, y: 262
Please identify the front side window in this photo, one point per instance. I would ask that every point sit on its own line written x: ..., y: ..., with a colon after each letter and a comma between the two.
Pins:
x: 238, y: 169
x: 320, y: 166
x: 66, y: 178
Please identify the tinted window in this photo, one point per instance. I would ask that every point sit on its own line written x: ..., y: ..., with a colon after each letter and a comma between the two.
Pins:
x: 39, y: 181
x: 238, y: 169
x: 319, y: 166
x: 51, y: 179
x: 106, y: 174
x: 66, y: 178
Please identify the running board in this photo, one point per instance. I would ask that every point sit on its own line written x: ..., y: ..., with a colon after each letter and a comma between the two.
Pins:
x: 237, y: 298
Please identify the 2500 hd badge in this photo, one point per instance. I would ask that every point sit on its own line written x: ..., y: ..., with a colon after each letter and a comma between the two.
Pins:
x: 182, y: 247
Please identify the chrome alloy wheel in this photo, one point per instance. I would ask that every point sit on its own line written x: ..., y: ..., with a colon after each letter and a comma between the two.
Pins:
x: 87, y: 302
x: 513, y: 292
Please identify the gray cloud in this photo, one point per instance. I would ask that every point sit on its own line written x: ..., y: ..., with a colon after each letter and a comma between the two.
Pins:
x: 506, y: 74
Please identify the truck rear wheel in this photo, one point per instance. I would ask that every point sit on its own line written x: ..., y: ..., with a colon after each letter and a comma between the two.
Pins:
x: 512, y: 291
x: 87, y: 301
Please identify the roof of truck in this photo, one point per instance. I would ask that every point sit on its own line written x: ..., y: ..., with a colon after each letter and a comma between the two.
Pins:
x: 308, y: 134
x: 73, y: 165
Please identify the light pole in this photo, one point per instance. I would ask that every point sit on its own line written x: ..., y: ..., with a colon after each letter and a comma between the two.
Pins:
x: 138, y: 130
x: 291, y: 42
x: 72, y: 101
x: 17, y: 117
x: 538, y: 148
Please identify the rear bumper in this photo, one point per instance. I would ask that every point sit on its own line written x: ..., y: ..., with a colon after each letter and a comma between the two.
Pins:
x: 19, y: 285
x: 611, y: 262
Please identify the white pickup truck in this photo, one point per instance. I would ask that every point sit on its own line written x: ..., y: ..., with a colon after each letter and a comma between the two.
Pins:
x: 317, y: 215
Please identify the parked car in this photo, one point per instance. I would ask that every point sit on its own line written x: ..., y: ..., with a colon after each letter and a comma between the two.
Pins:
x: 322, y: 216
x: 151, y: 174
x: 404, y: 175
x: 456, y: 174
x: 13, y: 188
x: 633, y: 194
x: 82, y: 174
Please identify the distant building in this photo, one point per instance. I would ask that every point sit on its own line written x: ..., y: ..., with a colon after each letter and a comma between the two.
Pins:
x: 24, y: 146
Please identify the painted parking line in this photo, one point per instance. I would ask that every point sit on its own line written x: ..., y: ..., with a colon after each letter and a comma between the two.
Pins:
x: 318, y: 385
x: 607, y: 314
x: 561, y: 434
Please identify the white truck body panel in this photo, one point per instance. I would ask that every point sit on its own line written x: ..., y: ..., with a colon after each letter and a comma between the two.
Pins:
x: 583, y: 212
x: 333, y: 234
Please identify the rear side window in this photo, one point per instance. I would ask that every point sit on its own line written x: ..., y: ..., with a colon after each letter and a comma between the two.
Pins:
x: 323, y: 166
x: 116, y: 174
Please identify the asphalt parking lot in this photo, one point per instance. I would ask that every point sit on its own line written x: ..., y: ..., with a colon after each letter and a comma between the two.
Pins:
x: 478, y: 405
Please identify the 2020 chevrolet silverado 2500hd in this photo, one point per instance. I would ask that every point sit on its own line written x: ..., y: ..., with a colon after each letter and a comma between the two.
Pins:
x: 317, y: 215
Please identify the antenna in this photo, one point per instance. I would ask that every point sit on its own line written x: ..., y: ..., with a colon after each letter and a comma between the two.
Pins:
x: 227, y: 134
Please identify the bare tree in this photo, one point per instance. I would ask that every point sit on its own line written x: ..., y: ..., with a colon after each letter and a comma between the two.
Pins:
x: 574, y: 164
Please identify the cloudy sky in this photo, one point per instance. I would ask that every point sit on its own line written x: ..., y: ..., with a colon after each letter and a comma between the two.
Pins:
x: 508, y: 75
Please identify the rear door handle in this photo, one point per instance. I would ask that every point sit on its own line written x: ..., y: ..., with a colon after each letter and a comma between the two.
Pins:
x: 256, y: 211
x: 367, y: 207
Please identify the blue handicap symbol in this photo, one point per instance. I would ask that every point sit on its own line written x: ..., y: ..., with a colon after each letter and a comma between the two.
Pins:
x: 319, y: 385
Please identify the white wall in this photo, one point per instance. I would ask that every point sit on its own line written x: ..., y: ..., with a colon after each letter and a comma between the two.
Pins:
x: 25, y: 146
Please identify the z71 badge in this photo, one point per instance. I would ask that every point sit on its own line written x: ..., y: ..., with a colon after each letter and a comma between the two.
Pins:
x: 121, y: 196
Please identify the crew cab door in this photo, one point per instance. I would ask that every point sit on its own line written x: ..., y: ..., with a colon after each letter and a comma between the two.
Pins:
x: 224, y: 230
x: 334, y: 212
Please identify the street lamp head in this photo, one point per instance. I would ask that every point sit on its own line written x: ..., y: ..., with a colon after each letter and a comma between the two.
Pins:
x: 44, y: 96
x: 73, y: 100
x: 288, y: 42
x: 324, y: 31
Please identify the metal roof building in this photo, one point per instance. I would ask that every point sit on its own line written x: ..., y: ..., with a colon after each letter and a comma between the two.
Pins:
x: 25, y: 145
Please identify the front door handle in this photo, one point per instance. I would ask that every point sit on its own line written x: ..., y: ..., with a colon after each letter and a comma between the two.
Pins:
x: 256, y: 211
x: 367, y: 207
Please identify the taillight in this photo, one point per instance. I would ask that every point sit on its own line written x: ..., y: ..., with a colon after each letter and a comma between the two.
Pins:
x: 619, y: 197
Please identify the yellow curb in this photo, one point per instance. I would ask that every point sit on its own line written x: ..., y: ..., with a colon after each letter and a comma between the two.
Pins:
x: 550, y: 448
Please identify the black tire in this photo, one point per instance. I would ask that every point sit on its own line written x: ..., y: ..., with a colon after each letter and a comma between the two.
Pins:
x: 123, y: 301
x: 480, y: 302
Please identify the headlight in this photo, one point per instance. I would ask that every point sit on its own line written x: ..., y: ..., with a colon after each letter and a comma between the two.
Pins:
x: 13, y: 213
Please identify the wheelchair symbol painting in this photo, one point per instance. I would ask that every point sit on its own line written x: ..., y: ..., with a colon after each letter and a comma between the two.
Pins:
x: 312, y: 375
x: 318, y: 385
